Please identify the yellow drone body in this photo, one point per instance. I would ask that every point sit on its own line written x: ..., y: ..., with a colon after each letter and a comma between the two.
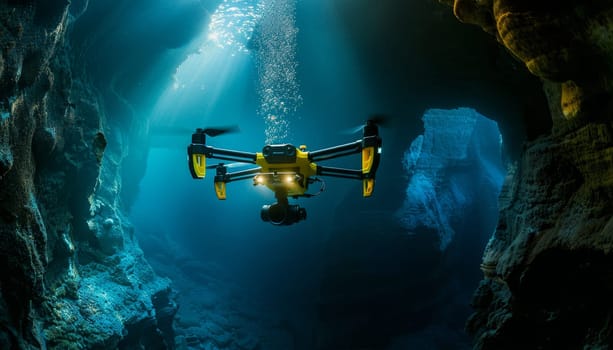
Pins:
x: 285, y: 169
x: 289, y: 174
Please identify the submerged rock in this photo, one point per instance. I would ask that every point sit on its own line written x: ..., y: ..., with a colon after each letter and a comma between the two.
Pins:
x: 456, y: 162
x: 568, y: 43
x: 71, y: 279
x: 108, y: 223
x: 6, y: 161
x: 549, y: 261
x: 548, y: 265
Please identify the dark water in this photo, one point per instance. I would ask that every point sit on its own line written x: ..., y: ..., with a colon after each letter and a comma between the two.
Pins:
x: 350, y: 276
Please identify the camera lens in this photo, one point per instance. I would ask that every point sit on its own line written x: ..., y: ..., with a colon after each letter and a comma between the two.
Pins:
x: 278, y: 214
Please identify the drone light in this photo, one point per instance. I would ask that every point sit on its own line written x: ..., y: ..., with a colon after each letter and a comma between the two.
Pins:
x: 380, y: 150
x: 289, y: 179
x: 259, y: 179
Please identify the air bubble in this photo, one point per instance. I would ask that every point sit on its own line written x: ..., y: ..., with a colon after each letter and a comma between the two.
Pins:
x: 279, y: 89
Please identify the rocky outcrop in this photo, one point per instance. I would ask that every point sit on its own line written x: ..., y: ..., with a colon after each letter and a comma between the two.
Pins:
x: 547, y: 266
x: 566, y: 42
x: 455, y: 164
x: 73, y: 275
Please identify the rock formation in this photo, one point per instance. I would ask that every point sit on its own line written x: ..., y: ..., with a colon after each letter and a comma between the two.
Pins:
x: 454, y: 165
x: 548, y: 265
x: 72, y: 274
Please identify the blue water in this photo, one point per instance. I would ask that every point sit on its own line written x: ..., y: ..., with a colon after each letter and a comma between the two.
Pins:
x: 222, y: 85
x: 290, y: 71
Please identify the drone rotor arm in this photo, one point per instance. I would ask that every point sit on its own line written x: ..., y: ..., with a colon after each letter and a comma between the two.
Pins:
x: 370, y: 148
x: 238, y: 156
x: 336, y: 151
x: 223, y: 177
x: 241, y: 175
x: 197, y: 154
x: 339, y: 172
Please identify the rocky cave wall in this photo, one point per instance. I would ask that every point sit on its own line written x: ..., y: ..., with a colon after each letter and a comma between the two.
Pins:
x: 72, y: 274
x: 547, y: 267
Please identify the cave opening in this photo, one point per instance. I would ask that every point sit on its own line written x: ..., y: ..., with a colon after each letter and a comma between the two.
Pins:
x: 403, y: 276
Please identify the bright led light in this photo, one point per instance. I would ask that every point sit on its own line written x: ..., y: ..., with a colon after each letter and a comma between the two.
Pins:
x: 379, y: 150
x: 259, y: 180
x: 289, y: 179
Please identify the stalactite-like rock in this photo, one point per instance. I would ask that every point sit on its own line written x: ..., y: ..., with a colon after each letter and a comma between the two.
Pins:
x: 548, y: 265
x: 567, y: 42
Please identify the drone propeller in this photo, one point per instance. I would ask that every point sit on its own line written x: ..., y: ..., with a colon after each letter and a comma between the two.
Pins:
x: 377, y: 119
x: 220, y: 130
x: 182, y: 131
x: 352, y: 130
x: 230, y: 165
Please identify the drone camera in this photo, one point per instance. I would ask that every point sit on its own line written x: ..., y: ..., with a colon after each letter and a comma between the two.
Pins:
x: 280, y: 214
x: 275, y: 154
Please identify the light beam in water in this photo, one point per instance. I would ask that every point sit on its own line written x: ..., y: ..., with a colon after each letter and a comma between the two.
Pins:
x: 265, y: 29
x: 219, y: 60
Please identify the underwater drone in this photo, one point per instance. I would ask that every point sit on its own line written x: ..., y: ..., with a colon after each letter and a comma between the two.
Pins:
x: 285, y: 169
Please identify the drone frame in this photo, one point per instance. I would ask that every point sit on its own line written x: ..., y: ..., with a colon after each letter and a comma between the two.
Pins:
x: 285, y: 169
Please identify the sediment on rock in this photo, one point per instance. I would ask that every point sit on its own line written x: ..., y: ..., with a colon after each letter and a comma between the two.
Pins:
x: 69, y: 280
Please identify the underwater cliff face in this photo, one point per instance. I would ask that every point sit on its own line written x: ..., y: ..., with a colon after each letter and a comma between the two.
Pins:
x: 547, y: 266
x: 72, y: 275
